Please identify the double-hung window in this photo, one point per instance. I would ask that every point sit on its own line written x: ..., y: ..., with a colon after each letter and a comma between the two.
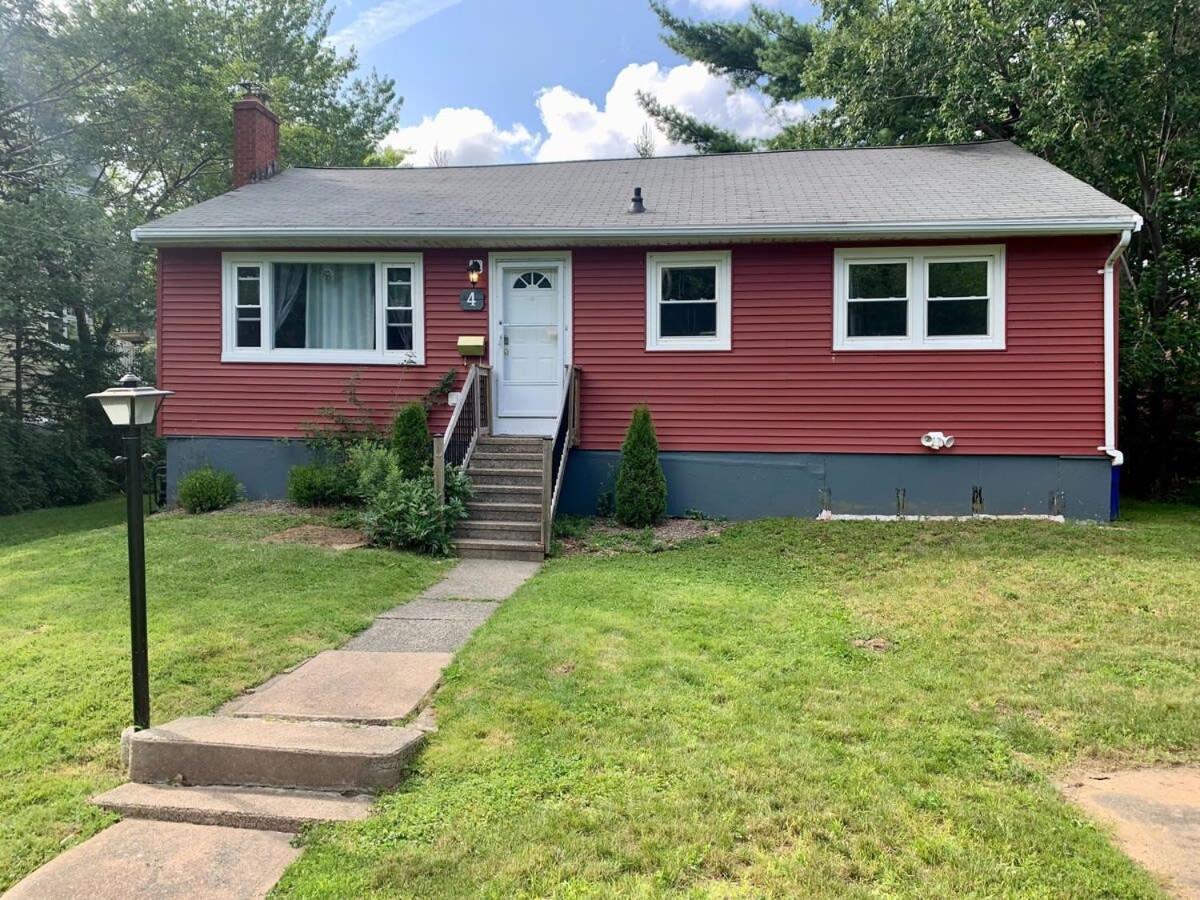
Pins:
x: 688, y: 301
x: 323, y: 307
x: 919, y: 298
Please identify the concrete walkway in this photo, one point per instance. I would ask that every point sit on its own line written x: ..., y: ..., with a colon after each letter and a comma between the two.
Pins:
x: 213, y: 799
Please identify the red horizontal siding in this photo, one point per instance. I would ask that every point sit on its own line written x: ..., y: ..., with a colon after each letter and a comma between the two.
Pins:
x: 781, y: 388
x: 275, y: 399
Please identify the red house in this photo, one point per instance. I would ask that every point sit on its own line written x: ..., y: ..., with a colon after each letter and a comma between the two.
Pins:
x: 881, y: 331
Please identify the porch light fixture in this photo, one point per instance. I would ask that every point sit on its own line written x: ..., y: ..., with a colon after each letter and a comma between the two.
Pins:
x: 130, y: 406
x: 474, y: 268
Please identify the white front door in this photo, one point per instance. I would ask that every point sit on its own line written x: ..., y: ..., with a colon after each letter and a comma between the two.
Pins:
x: 530, y: 346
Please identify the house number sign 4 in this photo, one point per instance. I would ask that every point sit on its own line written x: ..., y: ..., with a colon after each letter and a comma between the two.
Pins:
x: 472, y: 300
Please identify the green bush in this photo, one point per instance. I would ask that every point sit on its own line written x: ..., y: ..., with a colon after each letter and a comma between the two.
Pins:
x: 641, y: 493
x: 410, y: 439
x: 403, y: 512
x: 42, y: 467
x: 321, y: 484
x: 206, y: 489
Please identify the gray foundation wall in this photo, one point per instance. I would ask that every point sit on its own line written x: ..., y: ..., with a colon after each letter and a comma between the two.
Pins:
x: 752, y: 485
x: 260, y: 464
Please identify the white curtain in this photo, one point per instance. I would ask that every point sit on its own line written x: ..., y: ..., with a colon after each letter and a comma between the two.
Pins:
x: 341, y: 306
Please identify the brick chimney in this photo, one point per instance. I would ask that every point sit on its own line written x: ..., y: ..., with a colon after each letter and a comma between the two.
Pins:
x: 255, y: 138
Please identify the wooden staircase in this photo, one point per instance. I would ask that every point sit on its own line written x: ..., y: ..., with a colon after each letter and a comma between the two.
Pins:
x: 504, y: 518
x: 517, y: 481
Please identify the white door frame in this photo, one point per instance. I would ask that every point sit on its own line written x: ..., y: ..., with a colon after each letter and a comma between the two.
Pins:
x: 497, y: 264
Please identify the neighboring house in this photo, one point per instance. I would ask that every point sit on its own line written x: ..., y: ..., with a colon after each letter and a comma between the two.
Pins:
x: 797, y: 322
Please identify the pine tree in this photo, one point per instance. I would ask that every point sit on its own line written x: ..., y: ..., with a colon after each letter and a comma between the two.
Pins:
x: 410, y: 439
x: 641, y: 485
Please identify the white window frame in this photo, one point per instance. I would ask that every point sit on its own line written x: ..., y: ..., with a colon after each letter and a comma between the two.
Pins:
x: 265, y: 353
x: 655, y: 263
x: 918, y: 260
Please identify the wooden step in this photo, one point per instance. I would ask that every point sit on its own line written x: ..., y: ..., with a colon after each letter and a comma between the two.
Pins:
x: 482, y: 548
x: 507, y: 460
x: 489, y: 476
x: 507, y: 493
x: 319, y: 756
x: 500, y: 530
x: 263, y: 809
x: 503, y: 444
x: 504, y: 512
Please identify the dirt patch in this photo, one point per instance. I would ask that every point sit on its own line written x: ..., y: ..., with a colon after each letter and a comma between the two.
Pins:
x: 1153, y: 814
x: 875, y: 644
x: 606, y: 537
x: 320, y: 536
x: 563, y: 668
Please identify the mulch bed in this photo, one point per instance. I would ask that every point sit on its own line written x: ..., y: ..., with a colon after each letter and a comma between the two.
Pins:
x: 320, y: 536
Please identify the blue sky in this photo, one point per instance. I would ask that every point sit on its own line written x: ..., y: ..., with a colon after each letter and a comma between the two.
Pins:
x: 516, y: 80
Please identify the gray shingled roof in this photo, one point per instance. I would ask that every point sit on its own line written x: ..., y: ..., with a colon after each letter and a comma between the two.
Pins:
x: 989, y: 186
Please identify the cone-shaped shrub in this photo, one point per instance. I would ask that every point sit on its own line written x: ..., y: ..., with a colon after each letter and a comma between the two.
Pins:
x: 410, y: 439
x: 641, y: 485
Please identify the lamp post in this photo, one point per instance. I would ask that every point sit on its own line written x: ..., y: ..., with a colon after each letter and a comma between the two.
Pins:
x: 130, y: 406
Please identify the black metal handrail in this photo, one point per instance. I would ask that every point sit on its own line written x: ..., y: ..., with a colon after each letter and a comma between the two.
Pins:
x: 566, y: 436
x: 471, y: 416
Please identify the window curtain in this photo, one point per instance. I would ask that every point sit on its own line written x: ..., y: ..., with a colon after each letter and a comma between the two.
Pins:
x: 341, y: 306
x: 288, y: 279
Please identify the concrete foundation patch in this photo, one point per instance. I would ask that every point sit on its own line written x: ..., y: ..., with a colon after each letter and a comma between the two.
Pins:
x: 1154, y: 815
x: 442, y: 610
x: 414, y: 635
x: 263, y: 809
x: 350, y: 686
x: 166, y: 861
x: 482, y: 579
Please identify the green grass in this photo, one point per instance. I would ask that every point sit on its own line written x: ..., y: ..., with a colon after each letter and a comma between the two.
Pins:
x: 698, y: 722
x: 226, y: 610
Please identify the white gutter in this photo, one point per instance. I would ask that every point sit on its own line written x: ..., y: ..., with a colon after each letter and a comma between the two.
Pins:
x: 1110, y: 346
x: 166, y: 234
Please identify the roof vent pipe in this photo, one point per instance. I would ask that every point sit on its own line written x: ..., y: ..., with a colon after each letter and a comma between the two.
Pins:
x: 636, y: 205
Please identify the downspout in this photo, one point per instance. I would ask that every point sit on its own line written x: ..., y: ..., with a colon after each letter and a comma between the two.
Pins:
x: 1110, y: 347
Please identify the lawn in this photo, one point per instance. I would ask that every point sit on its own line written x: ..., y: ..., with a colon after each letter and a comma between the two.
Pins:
x: 226, y: 610
x: 699, y: 721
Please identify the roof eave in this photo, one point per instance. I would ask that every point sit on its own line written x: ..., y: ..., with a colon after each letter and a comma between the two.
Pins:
x: 219, y: 236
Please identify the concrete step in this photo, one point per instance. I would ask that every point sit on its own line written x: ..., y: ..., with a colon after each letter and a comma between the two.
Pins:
x: 134, y: 860
x: 507, y: 460
x: 484, y: 548
x: 508, y: 493
x: 261, y: 809
x: 487, y: 476
x: 500, y: 530
x: 504, y: 512
x: 350, y: 686
x: 319, y: 756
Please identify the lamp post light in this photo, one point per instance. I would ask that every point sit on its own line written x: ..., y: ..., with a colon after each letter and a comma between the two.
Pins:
x: 130, y: 406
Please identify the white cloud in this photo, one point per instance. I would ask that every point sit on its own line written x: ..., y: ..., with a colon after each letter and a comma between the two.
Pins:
x: 384, y: 21
x: 574, y: 127
x: 461, y: 136
x: 727, y: 7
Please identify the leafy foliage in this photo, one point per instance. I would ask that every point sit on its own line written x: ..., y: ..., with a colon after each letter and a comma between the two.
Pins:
x: 405, y: 512
x: 641, y: 492
x: 1108, y: 91
x: 410, y: 439
x: 207, y: 489
x: 113, y: 113
x: 322, y: 484
x: 42, y: 467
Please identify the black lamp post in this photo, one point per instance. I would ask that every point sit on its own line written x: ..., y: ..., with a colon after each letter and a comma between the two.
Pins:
x: 130, y: 406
